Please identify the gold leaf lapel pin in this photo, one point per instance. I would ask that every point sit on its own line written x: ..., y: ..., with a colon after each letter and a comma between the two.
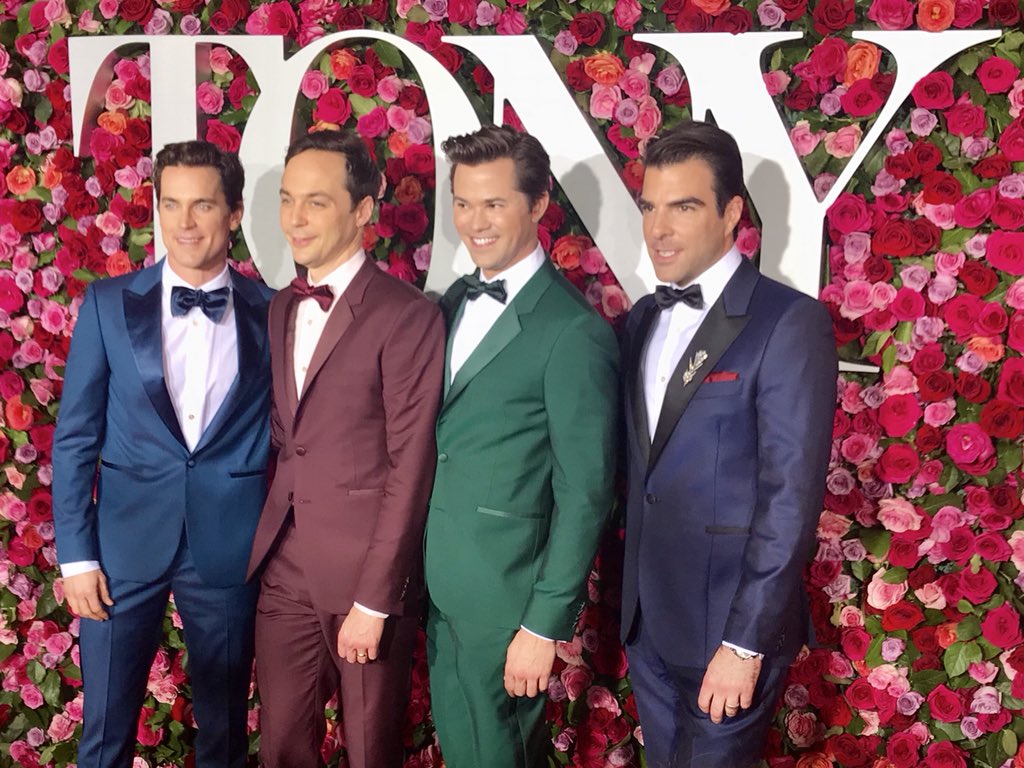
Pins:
x: 694, y: 365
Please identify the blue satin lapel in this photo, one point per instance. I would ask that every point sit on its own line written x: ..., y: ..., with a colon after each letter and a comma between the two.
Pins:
x: 248, y: 320
x: 142, y: 316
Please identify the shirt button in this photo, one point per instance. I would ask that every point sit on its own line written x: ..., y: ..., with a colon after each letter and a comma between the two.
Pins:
x: 309, y: 322
x: 191, y: 416
x: 195, y: 322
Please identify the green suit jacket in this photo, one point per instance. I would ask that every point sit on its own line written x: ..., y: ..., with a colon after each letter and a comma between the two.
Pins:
x: 526, y: 441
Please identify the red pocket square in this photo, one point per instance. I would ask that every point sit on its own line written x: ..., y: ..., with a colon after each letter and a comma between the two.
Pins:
x: 714, y: 376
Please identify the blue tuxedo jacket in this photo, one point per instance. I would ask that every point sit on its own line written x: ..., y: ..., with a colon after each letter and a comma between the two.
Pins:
x: 115, y: 410
x: 723, y: 504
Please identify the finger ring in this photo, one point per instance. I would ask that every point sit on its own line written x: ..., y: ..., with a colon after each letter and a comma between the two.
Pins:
x: 360, y: 655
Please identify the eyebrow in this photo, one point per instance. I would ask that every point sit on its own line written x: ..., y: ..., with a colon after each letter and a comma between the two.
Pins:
x: 680, y: 201
x: 488, y: 200
x: 169, y: 199
x: 318, y: 193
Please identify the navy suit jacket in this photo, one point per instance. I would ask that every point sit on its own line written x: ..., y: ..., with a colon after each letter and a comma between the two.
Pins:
x: 722, y: 507
x: 116, y: 411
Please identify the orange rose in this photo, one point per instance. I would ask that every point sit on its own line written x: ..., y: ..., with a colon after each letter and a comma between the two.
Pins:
x: 409, y: 190
x: 712, y: 7
x: 342, y: 63
x: 604, y: 68
x: 987, y: 348
x: 118, y: 263
x: 19, y: 415
x: 568, y: 249
x: 935, y: 15
x: 20, y: 179
x: 861, y: 62
x: 112, y: 122
x: 945, y: 634
x: 813, y: 760
x: 51, y: 176
x: 398, y: 142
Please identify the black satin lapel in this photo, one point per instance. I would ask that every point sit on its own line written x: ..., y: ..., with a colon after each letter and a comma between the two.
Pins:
x: 247, y: 332
x: 635, y: 383
x: 715, y: 335
x: 142, y: 316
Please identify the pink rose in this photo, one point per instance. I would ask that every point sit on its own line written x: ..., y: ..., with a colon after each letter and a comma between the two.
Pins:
x: 576, y: 680
x: 970, y: 448
x: 389, y: 87
x: 649, y: 120
x: 373, y: 124
x: 804, y: 139
x: 512, y: 22
x: 898, y: 515
x: 599, y: 697
x: 614, y: 301
x: 882, y: 595
x: 603, y: 99
x: 803, y: 728
x: 31, y: 697
x: 220, y: 59
x: 670, y: 80
x: 892, y: 14
x: 635, y: 84
x: 844, y: 142
x: 314, y: 84
x: 627, y: 13
x: 61, y: 727
x: 775, y: 81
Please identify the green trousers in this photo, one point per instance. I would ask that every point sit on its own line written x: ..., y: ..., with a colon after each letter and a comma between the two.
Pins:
x: 478, y: 724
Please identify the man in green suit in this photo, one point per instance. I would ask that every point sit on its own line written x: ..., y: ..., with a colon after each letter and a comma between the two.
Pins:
x: 526, y: 461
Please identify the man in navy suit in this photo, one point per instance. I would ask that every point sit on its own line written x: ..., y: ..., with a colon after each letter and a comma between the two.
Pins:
x: 729, y: 401
x: 166, y: 397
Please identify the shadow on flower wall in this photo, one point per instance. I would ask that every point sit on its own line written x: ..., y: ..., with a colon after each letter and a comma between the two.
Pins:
x: 915, y: 583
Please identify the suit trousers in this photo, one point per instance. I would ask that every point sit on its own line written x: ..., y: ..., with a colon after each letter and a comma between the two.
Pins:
x: 116, y: 655
x: 676, y: 733
x: 298, y: 670
x: 478, y: 724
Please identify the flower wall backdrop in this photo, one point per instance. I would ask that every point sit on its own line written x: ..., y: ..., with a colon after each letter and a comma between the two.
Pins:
x: 916, y: 583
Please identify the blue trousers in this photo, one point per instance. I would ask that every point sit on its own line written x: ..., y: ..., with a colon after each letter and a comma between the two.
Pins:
x: 116, y: 655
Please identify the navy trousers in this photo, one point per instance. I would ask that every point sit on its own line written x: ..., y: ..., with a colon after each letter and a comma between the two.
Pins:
x: 116, y: 655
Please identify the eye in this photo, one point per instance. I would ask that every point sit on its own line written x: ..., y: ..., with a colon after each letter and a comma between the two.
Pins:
x: 316, y: 204
x: 168, y: 205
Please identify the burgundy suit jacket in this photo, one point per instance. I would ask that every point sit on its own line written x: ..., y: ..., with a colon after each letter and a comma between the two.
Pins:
x: 355, y: 449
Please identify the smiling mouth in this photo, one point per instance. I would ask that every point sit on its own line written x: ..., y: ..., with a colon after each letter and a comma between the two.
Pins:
x: 300, y: 242
x: 661, y: 253
x: 188, y: 241
x: 483, y: 241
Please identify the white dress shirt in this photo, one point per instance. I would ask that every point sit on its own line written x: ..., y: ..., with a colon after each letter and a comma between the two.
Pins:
x: 200, y: 364
x: 480, y: 314
x: 671, y: 335
x: 310, y: 321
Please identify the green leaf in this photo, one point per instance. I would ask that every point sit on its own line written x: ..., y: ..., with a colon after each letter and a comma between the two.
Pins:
x: 36, y: 672
x: 7, y: 650
x: 361, y: 105
x: 43, y: 111
x: 951, y: 731
x: 50, y: 688
x: 876, y: 541
x: 1008, y: 741
x: 968, y: 629
x: 895, y: 575
x: 888, y: 358
x: 959, y: 656
x: 1009, y: 455
x: 388, y: 54
x: 419, y: 14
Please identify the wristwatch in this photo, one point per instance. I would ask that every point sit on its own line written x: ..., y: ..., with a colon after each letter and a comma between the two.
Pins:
x: 745, y: 655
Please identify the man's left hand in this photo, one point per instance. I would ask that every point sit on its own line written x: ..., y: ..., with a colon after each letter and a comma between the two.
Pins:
x: 728, y: 684
x: 528, y: 664
x: 359, y: 637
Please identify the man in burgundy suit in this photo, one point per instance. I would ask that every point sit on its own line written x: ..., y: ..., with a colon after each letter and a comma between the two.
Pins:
x: 357, y: 359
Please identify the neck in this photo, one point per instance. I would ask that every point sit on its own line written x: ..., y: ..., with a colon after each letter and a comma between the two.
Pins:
x: 490, y: 274
x: 198, y: 276
x: 318, y: 273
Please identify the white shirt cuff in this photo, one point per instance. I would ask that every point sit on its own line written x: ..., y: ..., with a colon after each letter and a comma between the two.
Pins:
x: 741, y: 649
x: 78, y: 567
x: 371, y: 612
x: 527, y: 629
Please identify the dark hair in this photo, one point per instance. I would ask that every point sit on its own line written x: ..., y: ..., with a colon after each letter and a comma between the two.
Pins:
x: 362, y: 176
x: 203, y: 154
x: 709, y: 143
x: 496, y: 142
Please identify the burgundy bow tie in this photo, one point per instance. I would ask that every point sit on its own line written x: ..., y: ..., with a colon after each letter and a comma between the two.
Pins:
x: 323, y: 294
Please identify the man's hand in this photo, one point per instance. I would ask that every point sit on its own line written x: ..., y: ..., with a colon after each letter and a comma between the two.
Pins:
x: 728, y: 684
x: 87, y: 593
x: 359, y: 637
x: 528, y: 664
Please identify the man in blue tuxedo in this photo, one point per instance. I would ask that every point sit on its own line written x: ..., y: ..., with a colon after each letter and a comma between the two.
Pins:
x: 166, y: 397
x: 730, y: 393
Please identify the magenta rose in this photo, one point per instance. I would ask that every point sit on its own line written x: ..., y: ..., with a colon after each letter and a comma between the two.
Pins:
x: 849, y: 213
x: 996, y: 74
x: 828, y: 58
x: 965, y: 118
x: 1005, y: 251
x: 977, y: 587
x: 934, y: 91
x: 970, y: 448
x: 1011, y: 141
x: 899, y: 414
x: 972, y: 211
x: 898, y: 463
x: 1011, y: 381
x: 373, y: 124
x: 861, y: 99
x: 1001, y: 627
x: 224, y: 136
x: 333, y: 107
x: 892, y: 14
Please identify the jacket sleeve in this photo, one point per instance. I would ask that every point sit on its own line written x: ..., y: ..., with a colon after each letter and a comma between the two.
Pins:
x: 796, y: 396
x: 81, y: 426
x: 581, y: 400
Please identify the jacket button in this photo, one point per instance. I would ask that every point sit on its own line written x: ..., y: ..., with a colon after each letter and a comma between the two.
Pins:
x: 300, y: 451
x: 190, y: 463
x: 442, y: 457
x: 650, y: 498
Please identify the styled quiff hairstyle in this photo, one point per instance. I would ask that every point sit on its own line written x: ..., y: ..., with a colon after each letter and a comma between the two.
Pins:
x: 496, y: 142
x: 362, y: 176
x: 709, y: 143
x: 203, y: 154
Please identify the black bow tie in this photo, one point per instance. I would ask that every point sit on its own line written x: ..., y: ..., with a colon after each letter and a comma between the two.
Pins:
x: 476, y: 287
x: 666, y: 297
x: 323, y: 294
x: 212, y: 303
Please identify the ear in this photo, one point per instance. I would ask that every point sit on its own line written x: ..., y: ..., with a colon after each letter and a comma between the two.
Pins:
x: 539, y: 206
x: 235, y: 220
x: 733, y: 212
x: 364, y: 210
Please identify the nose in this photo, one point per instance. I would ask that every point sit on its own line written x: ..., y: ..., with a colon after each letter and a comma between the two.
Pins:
x: 478, y: 220
x: 657, y: 224
x: 298, y: 215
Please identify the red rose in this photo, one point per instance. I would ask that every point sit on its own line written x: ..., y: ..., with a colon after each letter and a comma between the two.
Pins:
x: 899, y: 414
x: 941, y: 187
x: 961, y: 314
x: 860, y: 694
x: 894, y: 238
x: 977, y: 587
x: 927, y: 156
x: 1001, y: 627
x: 898, y: 463
x: 993, y: 547
x: 27, y: 216
x: 136, y: 133
x: 1008, y: 213
x: 378, y: 10
x: 828, y: 58
x: 57, y: 56
x: 861, y: 99
x: 332, y: 107
x: 973, y: 388
x: 992, y: 167
x: 902, y: 615
x: 945, y: 705
x: 577, y: 77
x: 992, y: 319
x: 136, y: 10
x: 849, y: 750
x: 412, y: 97
x: 977, y: 278
x: 349, y: 18
x: 1011, y: 140
x: 587, y: 28
x: 903, y: 552
x: 972, y: 211
x: 1015, y: 338
x: 1005, y: 251
x: 735, y: 20
x: 965, y: 118
x: 1004, y: 13
x: 930, y: 357
x: 855, y: 642
x: 902, y: 750
x: 419, y: 160
x: 793, y: 9
x: 485, y: 80
x: 693, y: 19
x: 449, y: 57
x: 411, y: 221
x: 928, y: 438
x: 934, y: 91
x: 362, y: 81
x: 966, y: 13
x: 944, y: 754
x: 996, y: 74
x: 935, y: 386
x: 224, y: 136
x: 461, y: 12
x: 849, y: 214
x: 832, y: 15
